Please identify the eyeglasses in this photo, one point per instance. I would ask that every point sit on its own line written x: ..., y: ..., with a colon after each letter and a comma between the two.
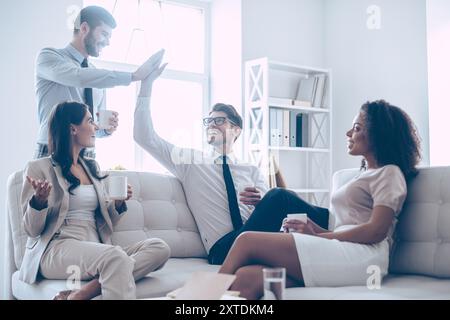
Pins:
x: 218, y: 121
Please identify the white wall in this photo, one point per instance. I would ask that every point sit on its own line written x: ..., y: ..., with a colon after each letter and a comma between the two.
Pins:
x: 438, y: 29
x: 26, y: 27
x: 226, y: 56
x: 226, y: 52
x: 389, y: 63
x: 284, y: 30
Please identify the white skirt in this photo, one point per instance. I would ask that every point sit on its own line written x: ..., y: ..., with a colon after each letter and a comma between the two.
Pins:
x: 334, y: 263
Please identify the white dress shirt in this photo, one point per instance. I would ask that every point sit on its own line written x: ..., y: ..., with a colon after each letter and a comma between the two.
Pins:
x: 201, y: 176
x: 59, y: 78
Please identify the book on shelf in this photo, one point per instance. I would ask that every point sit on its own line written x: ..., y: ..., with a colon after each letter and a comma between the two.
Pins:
x: 300, y: 103
x: 280, y: 101
x: 319, y: 97
x: 306, y: 89
x: 311, y: 91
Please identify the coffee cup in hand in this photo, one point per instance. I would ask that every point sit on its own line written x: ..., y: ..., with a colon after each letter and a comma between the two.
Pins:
x: 117, y: 187
x: 104, y: 118
x: 302, y: 217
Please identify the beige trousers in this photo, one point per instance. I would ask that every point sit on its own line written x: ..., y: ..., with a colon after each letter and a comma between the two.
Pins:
x: 77, y: 252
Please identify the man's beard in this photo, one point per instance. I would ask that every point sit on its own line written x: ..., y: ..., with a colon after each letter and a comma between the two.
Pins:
x: 89, y: 44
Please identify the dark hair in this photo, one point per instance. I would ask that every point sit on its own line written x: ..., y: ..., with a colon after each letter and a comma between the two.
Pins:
x: 60, y: 142
x: 230, y: 111
x: 392, y: 137
x: 94, y: 16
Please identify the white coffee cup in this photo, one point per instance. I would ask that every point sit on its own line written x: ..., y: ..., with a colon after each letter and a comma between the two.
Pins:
x: 117, y: 187
x: 303, y: 217
x: 104, y: 117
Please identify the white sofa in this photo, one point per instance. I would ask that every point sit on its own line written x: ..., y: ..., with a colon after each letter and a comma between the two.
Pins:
x: 420, y: 266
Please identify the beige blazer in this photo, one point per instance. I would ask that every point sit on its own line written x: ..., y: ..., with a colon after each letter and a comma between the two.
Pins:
x: 42, y: 225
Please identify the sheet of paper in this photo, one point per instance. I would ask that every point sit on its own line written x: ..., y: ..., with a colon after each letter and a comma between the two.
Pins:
x: 205, y: 286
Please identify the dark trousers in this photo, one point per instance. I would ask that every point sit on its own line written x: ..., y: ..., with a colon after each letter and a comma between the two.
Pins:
x: 268, y: 216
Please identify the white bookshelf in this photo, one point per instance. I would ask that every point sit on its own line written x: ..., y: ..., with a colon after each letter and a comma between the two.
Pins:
x: 272, y: 85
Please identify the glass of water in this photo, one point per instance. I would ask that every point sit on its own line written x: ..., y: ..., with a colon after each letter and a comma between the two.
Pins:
x: 274, y: 283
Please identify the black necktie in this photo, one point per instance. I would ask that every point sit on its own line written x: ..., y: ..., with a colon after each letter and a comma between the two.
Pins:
x: 231, y: 193
x: 88, y: 92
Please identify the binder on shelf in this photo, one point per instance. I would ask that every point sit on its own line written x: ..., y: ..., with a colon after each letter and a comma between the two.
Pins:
x: 302, y: 132
x: 279, y: 126
x: 286, y: 128
x: 276, y: 119
x: 273, y: 138
x: 295, y: 122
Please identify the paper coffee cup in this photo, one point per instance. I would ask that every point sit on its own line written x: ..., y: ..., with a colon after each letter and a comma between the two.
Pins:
x: 117, y: 187
x: 103, y: 118
x: 303, y: 217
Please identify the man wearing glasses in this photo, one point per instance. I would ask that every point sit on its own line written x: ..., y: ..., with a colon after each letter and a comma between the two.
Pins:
x: 221, y: 191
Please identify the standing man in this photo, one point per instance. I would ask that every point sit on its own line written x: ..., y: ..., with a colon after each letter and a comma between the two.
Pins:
x: 66, y: 74
x: 210, y: 181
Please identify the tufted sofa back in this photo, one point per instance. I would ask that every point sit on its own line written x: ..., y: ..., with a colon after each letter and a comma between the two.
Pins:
x: 422, y: 236
x: 158, y: 209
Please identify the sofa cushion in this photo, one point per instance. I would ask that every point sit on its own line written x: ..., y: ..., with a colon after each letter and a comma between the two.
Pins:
x: 422, y: 243
x: 158, y: 209
x: 393, y: 287
x: 13, y: 210
x: 157, y: 284
x: 422, y: 235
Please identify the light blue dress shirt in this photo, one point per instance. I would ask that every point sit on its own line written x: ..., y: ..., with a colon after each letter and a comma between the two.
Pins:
x: 59, y: 78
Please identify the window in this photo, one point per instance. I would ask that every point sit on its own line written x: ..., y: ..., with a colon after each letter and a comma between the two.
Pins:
x: 179, y: 98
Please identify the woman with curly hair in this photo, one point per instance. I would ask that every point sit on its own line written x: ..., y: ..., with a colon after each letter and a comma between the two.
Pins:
x: 365, y: 209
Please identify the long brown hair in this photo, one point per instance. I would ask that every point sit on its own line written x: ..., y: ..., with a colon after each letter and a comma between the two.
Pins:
x: 60, y: 142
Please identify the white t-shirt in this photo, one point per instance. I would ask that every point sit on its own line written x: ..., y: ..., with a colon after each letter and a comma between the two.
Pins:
x: 82, y: 203
x: 352, y: 204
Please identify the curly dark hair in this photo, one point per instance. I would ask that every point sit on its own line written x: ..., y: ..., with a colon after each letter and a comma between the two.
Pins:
x: 392, y: 136
x: 59, y: 141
